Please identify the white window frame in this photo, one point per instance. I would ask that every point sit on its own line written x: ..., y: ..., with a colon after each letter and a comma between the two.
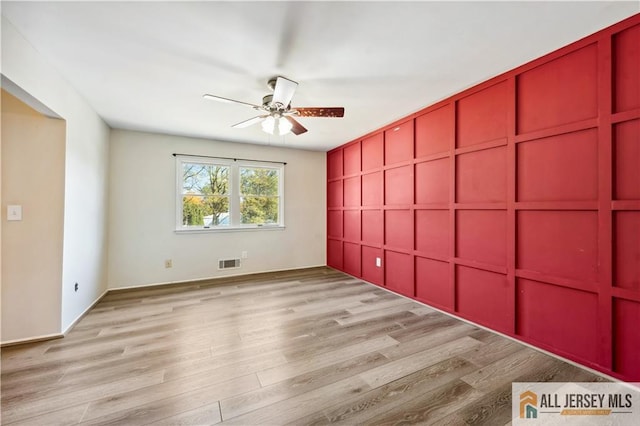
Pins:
x: 234, y: 193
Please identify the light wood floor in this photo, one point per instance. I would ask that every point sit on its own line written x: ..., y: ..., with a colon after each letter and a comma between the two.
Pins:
x: 303, y: 347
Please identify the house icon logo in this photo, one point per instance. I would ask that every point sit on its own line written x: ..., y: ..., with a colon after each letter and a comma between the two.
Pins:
x: 528, y: 405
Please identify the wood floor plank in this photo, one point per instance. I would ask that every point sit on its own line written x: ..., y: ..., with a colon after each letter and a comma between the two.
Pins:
x: 494, y: 408
x: 22, y: 409
x: 430, y: 339
x: 294, y: 368
x: 350, y: 319
x: 392, y: 396
x: 165, y: 399
x: 302, y: 383
x: 493, y: 350
x: 311, y: 346
x: 204, y: 416
x: 70, y: 415
x: 409, y: 364
x: 430, y: 407
x: 507, y: 369
x: 300, y: 405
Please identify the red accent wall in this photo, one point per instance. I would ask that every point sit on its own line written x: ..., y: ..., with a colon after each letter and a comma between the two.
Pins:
x: 514, y: 204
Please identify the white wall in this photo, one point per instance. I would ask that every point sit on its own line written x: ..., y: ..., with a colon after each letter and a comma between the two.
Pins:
x: 142, y: 213
x: 86, y: 168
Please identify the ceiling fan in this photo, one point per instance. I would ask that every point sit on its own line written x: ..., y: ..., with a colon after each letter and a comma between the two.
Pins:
x: 278, y: 111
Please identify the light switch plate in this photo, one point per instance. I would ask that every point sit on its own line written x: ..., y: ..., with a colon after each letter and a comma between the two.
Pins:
x: 378, y: 262
x: 14, y: 212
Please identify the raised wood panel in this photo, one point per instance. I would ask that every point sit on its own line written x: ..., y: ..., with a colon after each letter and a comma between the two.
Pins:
x: 372, y: 189
x: 481, y: 177
x: 626, y: 338
x: 435, y: 131
x: 481, y: 236
x: 398, y: 229
x: 372, y: 227
x: 373, y: 152
x: 482, y: 116
x: 626, y: 145
x: 484, y: 296
x: 559, y: 168
x: 626, y: 246
x: 334, y: 194
x: 352, y: 225
x: 334, y: 223
x: 351, y: 159
x: 370, y: 272
x: 351, y: 258
x: 432, y: 181
x: 398, y: 186
x: 399, y: 272
x: 433, y: 282
x: 334, y: 253
x: 626, y: 69
x: 432, y: 232
x: 558, y: 92
x: 352, y: 192
x: 398, y: 143
x: 334, y: 164
x: 560, y: 317
x: 559, y: 243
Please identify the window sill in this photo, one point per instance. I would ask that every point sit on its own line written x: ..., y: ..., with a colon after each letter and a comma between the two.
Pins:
x: 230, y: 229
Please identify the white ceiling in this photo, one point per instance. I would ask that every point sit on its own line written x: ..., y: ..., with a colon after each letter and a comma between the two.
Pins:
x: 145, y: 65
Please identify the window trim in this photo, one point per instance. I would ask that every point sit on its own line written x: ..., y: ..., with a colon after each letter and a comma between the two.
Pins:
x: 234, y: 193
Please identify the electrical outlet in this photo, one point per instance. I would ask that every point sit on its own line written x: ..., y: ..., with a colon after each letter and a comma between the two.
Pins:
x: 245, y: 255
x: 168, y: 263
x: 378, y: 262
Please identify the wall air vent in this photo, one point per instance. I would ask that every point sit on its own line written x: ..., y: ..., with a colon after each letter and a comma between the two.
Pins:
x: 228, y: 263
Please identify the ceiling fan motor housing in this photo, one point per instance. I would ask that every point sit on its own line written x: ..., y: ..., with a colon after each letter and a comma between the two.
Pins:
x: 271, y: 84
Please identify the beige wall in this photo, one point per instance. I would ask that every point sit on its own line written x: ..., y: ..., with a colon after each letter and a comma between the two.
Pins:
x: 142, y: 213
x: 33, y: 165
x: 86, y: 167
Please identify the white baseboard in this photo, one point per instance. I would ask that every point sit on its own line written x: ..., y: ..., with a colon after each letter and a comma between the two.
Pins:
x: 218, y: 277
x: 31, y: 339
x: 85, y: 312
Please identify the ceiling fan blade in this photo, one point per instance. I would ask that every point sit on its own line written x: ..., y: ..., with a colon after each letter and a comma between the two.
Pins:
x: 320, y: 112
x: 249, y: 122
x: 297, y: 128
x: 283, y: 91
x: 227, y: 100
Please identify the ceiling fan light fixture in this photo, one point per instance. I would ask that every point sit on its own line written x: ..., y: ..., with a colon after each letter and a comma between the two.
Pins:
x: 284, y: 126
x: 268, y: 125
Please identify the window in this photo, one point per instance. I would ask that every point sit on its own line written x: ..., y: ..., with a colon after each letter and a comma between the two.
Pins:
x: 228, y: 194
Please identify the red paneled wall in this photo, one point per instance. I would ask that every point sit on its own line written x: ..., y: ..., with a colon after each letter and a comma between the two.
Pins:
x: 514, y: 204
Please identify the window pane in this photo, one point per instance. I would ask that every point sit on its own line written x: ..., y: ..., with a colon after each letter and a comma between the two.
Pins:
x: 205, y: 179
x: 259, y: 210
x: 205, y: 211
x: 256, y: 181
